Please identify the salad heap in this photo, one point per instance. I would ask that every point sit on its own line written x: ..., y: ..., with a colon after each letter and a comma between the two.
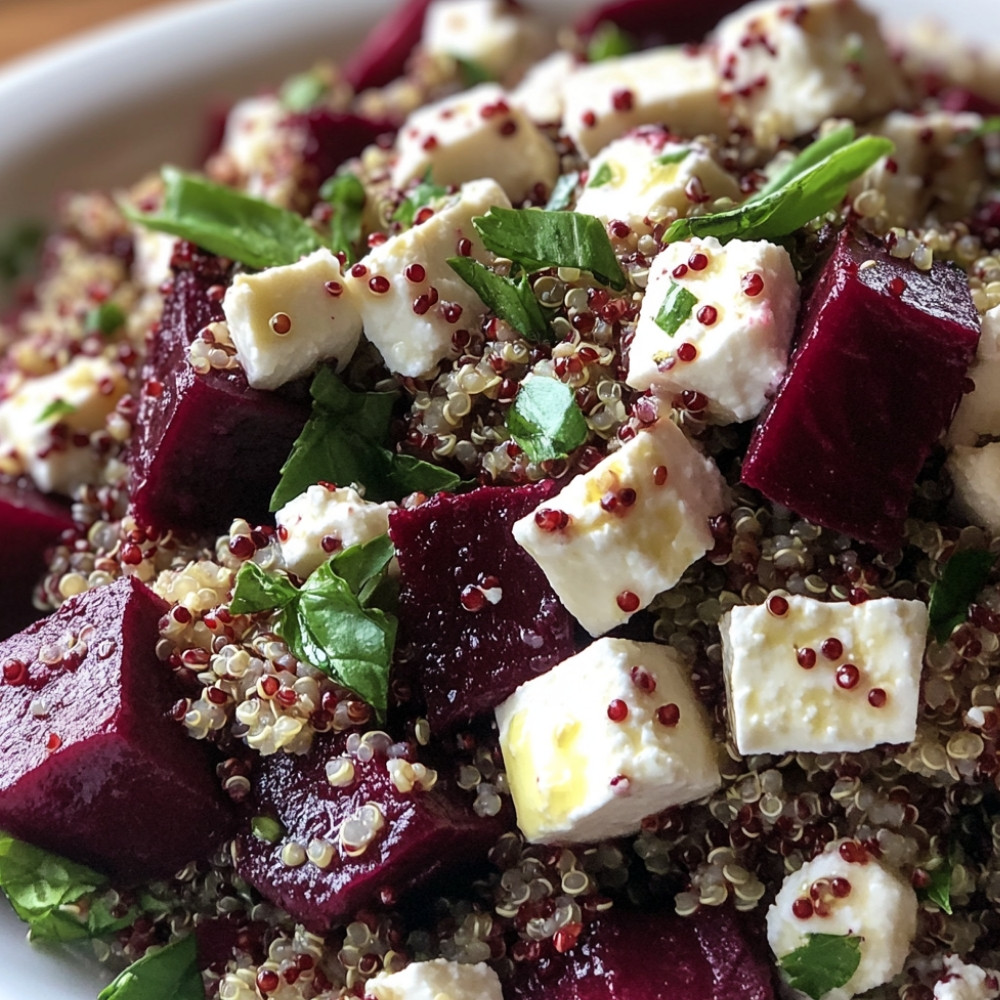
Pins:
x: 521, y: 521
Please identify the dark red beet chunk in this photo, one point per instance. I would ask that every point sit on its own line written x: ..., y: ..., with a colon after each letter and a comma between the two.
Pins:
x: 630, y: 955
x: 426, y: 834
x: 207, y: 447
x: 29, y: 524
x: 874, y: 381
x: 383, y: 54
x: 960, y: 99
x: 658, y: 22
x: 456, y: 555
x: 92, y: 766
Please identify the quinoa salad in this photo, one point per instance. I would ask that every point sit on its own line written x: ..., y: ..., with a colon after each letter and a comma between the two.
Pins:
x: 520, y: 519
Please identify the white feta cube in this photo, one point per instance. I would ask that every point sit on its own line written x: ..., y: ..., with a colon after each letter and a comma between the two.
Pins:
x: 603, y: 740
x: 285, y: 320
x: 495, y: 35
x: 811, y: 676
x: 323, y: 520
x: 961, y: 981
x: 648, y: 177
x: 540, y: 94
x: 786, y: 67
x: 975, y: 473
x: 876, y: 905
x: 978, y: 413
x: 412, y: 303
x: 438, y: 979
x: 46, y: 423
x: 473, y: 135
x: 615, y: 537
x: 675, y: 87
x: 717, y: 320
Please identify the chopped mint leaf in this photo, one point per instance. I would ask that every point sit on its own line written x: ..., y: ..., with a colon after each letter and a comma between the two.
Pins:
x: 536, y: 239
x: 825, y: 962
x: 19, y: 248
x: 675, y: 156
x: 603, y: 176
x: 472, y: 72
x: 677, y: 307
x: 963, y: 577
x: 608, y: 42
x: 424, y: 194
x: 809, y: 187
x: 57, y: 408
x: 228, y: 223
x: 562, y: 192
x: 169, y: 973
x: 545, y: 419
x: 303, y: 91
x: 346, y: 196
x: 346, y: 441
x: 107, y: 318
x: 512, y: 300
x: 267, y: 828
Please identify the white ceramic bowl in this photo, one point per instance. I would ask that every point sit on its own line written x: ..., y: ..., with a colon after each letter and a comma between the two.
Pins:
x: 97, y: 111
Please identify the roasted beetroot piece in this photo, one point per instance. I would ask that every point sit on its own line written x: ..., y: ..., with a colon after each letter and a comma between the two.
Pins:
x: 630, y: 955
x: 476, y: 615
x: 207, y: 447
x: 875, y: 379
x: 372, y: 833
x: 383, y: 54
x: 658, y: 22
x: 960, y: 99
x: 29, y: 524
x: 92, y: 764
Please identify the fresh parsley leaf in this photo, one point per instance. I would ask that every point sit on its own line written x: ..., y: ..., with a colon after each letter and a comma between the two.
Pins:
x: 677, y: 306
x: 537, y: 238
x: 227, y: 222
x: 939, y: 890
x: 603, y: 176
x: 472, y: 72
x: 425, y: 193
x: 608, y: 42
x: 803, y: 195
x: 257, y: 590
x: 57, y: 408
x: 107, y: 318
x: 19, y: 248
x: 346, y: 441
x: 545, y: 419
x: 963, y: 577
x: 512, y: 300
x: 41, y: 885
x: 674, y: 156
x: 346, y: 196
x: 562, y: 191
x: 169, y: 973
x: 303, y: 91
x: 825, y: 962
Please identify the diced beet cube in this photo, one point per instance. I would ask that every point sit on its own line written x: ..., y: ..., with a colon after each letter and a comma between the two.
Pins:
x: 425, y: 834
x: 632, y: 955
x: 208, y: 447
x: 92, y: 765
x: 383, y: 54
x: 875, y: 379
x: 658, y: 22
x: 29, y: 524
x: 476, y: 615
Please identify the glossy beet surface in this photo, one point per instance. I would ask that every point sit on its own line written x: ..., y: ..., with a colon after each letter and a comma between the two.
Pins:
x: 426, y: 834
x: 658, y: 22
x: 876, y: 377
x: 92, y: 766
x: 29, y: 523
x: 457, y: 554
x: 208, y: 448
x: 383, y: 54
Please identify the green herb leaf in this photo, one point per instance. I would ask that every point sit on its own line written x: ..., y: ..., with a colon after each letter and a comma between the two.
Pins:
x: 426, y: 193
x: 537, y: 238
x: 107, y: 318
x: 608, y: 42
x: 228, y: 223
x: 545, y: 419
x: 963, y: 577
x: 675, y: 156
x: 472, y: 72
x: 825, y: 962
x: 677, y: 306
x: 169, y: 973
x: 346, y: 196
x: 267, y: 828
x: 562, y: 191
x: 512, y: 300
x: 256, y: 590
x: 57, y: 408
x: 603, y: 176
x: 808, y: 194
x: 19, y: 248
x: 811, y: 156
x: 363, y: 566
x: 303, y: 91
x: 41, y: 885
x: 939, y: 890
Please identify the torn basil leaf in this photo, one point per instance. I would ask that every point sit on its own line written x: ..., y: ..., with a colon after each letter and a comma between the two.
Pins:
x: 169, y: 973
x: 345, y: 194
x: 105, y: 319
x: 545, y: 420
x: 939, y: 890
x: 603, y: 176
x: 675, y: 156
x: 562, y: 192
x: 825, y: 962
x: 512, y: 300
x: 677, y: 306
x: 963, y: 576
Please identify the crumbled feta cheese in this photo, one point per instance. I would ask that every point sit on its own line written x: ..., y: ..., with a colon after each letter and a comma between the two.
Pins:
x: 603, y: 740
x: 152, y: 254
x: 648, y: 177
x: 249, y: 141
x: 675, y: 87
x: 285, y: 320
x: 618, y: 535
x: 46, y: 423
x: 975, y: 473
x: 786, y: 67
x: 960, y: 981
x: 494, y: 35
x: 473, y: 135
x: 411, y: 301
x: 323, y: 520
x: 877, y: 905
x: 730, y: 342
x: 437, y: 980
x: 979, y: 411
x: 540, y: 94
x: 811, y: 676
